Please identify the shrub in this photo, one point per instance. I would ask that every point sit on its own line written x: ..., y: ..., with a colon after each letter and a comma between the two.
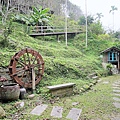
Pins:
x: 104, y: 37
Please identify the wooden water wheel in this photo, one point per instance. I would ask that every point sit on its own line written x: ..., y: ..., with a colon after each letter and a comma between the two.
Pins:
x: 23, y: 63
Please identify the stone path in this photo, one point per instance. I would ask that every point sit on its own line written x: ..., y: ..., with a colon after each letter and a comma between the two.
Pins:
x: 116, y: 94
x: 116, y: 97
x: 57, y: 111
x: 74, y: 113
x: 38, y: 110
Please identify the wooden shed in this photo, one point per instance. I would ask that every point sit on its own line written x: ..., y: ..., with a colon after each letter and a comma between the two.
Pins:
x: 112, y: 55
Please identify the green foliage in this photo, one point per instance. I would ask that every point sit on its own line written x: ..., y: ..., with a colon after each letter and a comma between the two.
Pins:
x: 82, y: 20
x: 99, y: 16
x: 7, y: 20
x: 104, y: 37
x: 117, y: 34
x: 113, y: 8
x: 40, y: 16
x: 86, y: 87
x: 95, y: 29
x: 109, y: 66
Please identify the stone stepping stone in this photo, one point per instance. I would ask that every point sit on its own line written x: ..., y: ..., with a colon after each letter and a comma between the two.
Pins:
x: 38, y: 110
x: 105, y: 82
x: 116, y: 91
x: 57, y: 112
x: 116, y: 118
x: 74, y: 114
x: 117, y: 94
x: 75, y: 103
x: 116, y: 85
x: 117, y: 105
x: 117, y: 82
x: 99, y: 80
x: 116, y: 99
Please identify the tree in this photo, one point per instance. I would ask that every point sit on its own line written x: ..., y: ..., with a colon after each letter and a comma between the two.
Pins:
x: 99, y: 16
x: 113, y: 8
x: 7, y: 19
x: 95, y: 29
x: 82, y: 20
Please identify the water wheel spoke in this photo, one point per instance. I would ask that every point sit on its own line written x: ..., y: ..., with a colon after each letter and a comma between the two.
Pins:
x: 22, y: 63
x: 36, y: 65
x: 24, y: 57
x: 27, y: 77
x: 28, y: 57
x: 23, y: 75
x: 35, y: 58
x: 18, y: 72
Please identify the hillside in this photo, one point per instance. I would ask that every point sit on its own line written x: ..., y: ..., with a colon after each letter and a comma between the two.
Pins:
x: 72, y: 62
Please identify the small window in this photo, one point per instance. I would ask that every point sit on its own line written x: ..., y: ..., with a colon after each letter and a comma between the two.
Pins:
x: 112, y: 56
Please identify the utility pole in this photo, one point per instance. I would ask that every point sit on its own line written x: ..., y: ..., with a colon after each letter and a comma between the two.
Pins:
x: 66, y: 21
x: 86, y: 22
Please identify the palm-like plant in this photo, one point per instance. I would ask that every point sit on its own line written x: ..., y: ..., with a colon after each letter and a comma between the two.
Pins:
x: 40, y: 16
x: 99, y: 16
x: 113, y: 8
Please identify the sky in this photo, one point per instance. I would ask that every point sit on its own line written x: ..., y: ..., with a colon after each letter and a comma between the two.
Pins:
x: 102, y: 6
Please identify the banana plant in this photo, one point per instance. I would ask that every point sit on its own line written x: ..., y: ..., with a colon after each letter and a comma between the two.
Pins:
x: 40, y: 16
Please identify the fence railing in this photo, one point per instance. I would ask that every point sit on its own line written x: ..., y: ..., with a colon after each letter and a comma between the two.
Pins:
x: 50, y: 29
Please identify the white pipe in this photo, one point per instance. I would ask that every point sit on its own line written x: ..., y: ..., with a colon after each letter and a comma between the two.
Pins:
x: 66, y: 22
x: 86, y: 23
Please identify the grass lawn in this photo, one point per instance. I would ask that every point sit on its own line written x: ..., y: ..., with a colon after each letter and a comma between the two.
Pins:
x: 96, y: 104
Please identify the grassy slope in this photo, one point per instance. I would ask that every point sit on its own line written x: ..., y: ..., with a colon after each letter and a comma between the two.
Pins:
x: 62, y: 64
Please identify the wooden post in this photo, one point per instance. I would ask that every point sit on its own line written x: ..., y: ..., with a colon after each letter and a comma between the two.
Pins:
x: 58, y: 38
x: 118, y: 61
x: 33, y: 80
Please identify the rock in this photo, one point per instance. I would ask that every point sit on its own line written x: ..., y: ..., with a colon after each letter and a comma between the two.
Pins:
x: 22, y: 93
x: 75, y: 103
x: 19, y: 104
x: 2, y: 79
x: 31, y: 96
x: 2, y: 112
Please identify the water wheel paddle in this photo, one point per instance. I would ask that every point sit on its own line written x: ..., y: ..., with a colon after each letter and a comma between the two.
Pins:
x: 22, y: 64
